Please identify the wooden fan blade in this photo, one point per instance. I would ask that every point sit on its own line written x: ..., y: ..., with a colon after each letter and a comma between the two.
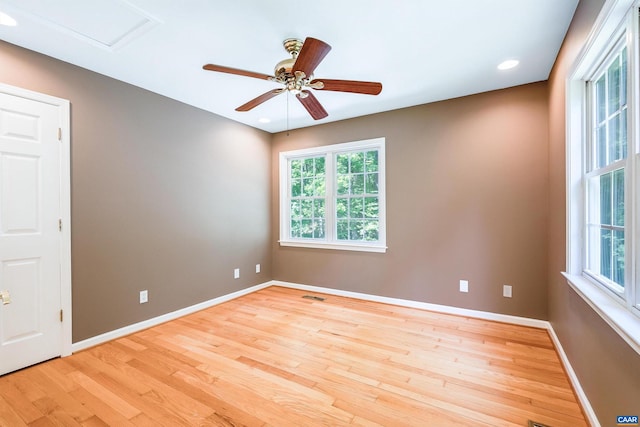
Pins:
x: 354, y: 86
x: 259, y: 100
x: 312, y: 53
x: 312, y: 105
x: 229, y: 70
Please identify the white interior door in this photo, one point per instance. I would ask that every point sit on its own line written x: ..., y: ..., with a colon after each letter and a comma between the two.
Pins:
x: 31, y: 299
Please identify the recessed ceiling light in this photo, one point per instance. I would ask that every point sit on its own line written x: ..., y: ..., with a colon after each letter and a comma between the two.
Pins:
x: 7, y: 20
x: 264, y: 120
x: 508, y: 64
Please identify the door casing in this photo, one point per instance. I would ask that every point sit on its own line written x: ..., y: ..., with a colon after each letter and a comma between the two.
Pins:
x: 63, y: 107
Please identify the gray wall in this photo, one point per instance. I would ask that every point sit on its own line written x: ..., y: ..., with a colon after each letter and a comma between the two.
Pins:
x: 608, y: 369
x: 467, y: 198
x: 165, y: 197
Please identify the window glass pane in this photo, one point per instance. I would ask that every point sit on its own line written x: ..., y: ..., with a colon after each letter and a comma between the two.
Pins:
x: 318, y: 208
x: 601, y: 106
x: 356, y: 207
x: 308, y: 168
x: 605, y: 199
x: 319, y: 185
x: 601, y: 146
x: 356, y: 229
x: 295, y: 209
x: 610, y: 121
x: 371, y: 161
x: 371, y: 207
x: 342, y: 208
x: 371, y: 183
x: 618, y: 257
x: 296, y: 168
x: 357, y: 184
x: 342, y: 163
x: 306, y: 229
x: 613, y: 89
x: 357, y: 163
x: 614, y: 138
x: 319, y: 166
x: 295, y: 228
x: 308, y: 182
x: 342, y: 184
x: 343, y: 229
x: 618, y: 198
x: 371, y: 232
x: 605, y: 252
x: 307, y: 187
x: 296, y: 187
x: 318, y: 229
x: 306, y: 207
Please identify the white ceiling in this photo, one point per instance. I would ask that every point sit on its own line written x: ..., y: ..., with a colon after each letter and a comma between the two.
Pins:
x: 421, y: 50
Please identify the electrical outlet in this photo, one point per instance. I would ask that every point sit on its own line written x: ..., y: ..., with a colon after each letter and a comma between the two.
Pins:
x: 507, y: 291
x: 236, y: 273
x: 144, y: 296
x: 464, y: 286
x: 257, y: 268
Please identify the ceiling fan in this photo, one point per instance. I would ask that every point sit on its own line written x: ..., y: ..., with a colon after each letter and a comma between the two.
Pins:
x: 296, y: 74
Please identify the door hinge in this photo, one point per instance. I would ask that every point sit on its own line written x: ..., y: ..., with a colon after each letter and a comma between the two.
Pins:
x: 59, y: 134
x: 60, y: 224
x: 61, y: 315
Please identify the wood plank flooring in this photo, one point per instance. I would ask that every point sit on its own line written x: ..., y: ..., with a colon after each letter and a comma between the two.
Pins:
x: 274, y: 358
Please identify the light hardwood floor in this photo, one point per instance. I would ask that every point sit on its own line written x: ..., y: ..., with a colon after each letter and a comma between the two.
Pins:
x: 275, y: 358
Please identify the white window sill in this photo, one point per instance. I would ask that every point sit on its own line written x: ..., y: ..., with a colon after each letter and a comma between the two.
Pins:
x: 362, y: 247
x: 618, y: 316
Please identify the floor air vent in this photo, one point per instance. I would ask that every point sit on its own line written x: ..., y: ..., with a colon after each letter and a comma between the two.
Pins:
x: 315, y: 298
x: 536, y: 424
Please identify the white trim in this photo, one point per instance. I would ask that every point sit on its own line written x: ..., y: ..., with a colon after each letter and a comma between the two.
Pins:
x: 145, y: 324
x: 505, y: 318
x: 582, y: 397
x: 334, y: 245
x: 64, y: 123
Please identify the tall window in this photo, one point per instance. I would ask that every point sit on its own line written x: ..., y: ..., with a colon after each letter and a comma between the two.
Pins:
x: 606, y: 172
x: 334, y: 197
x: 603, y: 169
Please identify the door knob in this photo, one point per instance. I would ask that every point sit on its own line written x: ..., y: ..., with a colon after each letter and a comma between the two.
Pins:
x: 5, y: 297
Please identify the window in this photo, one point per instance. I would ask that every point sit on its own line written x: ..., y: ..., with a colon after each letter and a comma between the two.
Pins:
x: 605, y: 174
x: 603, y: 170
x: 334, y: 197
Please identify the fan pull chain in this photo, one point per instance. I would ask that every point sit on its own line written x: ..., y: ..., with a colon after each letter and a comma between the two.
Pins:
x: 288, y: 113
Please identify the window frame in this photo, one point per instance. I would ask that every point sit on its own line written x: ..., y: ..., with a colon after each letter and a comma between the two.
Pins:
x: 591, y: 171
x: 330, y: 240
x: 621, y: 311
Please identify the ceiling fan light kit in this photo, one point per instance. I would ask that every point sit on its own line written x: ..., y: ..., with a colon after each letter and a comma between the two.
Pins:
x: 296, y: 75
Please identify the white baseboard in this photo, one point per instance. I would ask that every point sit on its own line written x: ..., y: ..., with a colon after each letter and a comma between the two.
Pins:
x: 523, y: 321
x: 127, y: 330
x: 505, y: 318
x: 582, y: 397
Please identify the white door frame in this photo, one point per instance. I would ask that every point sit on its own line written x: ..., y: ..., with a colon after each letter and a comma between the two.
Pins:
x: 65, y: 202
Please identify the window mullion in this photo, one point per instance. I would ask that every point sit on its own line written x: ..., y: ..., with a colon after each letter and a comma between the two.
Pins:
x: 330, y: 207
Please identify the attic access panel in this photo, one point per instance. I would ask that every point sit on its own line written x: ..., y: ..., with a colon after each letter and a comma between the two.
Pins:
x: 107, y: 24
